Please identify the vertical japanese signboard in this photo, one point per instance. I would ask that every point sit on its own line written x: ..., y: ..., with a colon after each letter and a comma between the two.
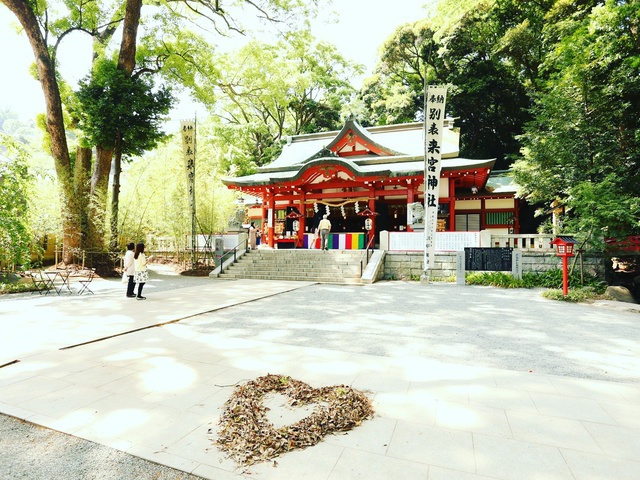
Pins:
x: 188, y: 131
x: 436, y: 99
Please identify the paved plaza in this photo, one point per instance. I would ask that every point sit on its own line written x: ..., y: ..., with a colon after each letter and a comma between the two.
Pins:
x: 466, y: 382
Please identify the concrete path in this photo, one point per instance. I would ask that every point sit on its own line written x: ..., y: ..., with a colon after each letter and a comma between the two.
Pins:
x: 157, y: 393
x: 39, y: 323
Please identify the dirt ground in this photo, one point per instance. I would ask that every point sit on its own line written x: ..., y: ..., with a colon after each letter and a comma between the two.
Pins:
x: 200, y: 270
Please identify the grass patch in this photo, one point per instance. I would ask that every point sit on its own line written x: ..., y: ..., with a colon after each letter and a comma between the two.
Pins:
x: 495, y: 279
x: 6, y: 288
x: 584, y: 294
x: 15, y: 282
x: 593, y: 287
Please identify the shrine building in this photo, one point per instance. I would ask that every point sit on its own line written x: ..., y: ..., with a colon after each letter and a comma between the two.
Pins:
x: 371, y: 180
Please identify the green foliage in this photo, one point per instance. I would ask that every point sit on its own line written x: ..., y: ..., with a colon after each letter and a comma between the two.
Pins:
x: 39, y: 188
x: 394, y: 93
x: 582, y: 149
x: 551, y: 84
x: 112, y: 105
x: 6, y: 288
x: 494, y: 279
x: 553, y: 279
x: 547, y: 279
x: 154, y: 199
x: 15, y: 237
x: 11, y: 125
x: 485, y: 92
x: 115, y: 111
x: 268, y: 92
x: 584, y: 294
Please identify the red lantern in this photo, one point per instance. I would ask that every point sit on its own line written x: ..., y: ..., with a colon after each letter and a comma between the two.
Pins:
x: 564, y: 249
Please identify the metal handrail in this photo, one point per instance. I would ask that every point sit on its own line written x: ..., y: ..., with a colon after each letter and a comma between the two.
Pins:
x: 233, y: 250
x: 366, y: 252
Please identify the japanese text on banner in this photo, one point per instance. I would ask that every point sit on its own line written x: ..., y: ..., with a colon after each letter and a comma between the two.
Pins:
x: 434, y: 123
x: 188, y: 130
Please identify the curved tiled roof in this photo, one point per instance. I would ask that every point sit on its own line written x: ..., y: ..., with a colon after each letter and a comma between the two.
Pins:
x: 410, y: 167
x: 401, y: 150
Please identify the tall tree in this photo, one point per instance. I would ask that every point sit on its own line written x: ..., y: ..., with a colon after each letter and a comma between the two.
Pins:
x: 270, y: 91
x: 409, y: 57
x: 123, y: 113
x: 39, y: 24
x: 582, y: 150
x: 15, y: 235
x: 30, y: 17
x: 458, y: 47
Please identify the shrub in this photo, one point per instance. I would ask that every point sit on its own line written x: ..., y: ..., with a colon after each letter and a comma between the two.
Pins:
x: 575, y: 295
x: 553, y: 279
x: 494, y: 279
x: 15, y: 287
x: 593, y: 287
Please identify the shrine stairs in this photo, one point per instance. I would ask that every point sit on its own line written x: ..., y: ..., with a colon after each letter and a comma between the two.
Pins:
x: 331, y: 266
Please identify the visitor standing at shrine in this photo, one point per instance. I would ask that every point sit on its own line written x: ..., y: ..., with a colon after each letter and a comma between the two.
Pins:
x: 141, y: 275
x: 129, y: 269
x: 325, y: 227
x: 252, y: 236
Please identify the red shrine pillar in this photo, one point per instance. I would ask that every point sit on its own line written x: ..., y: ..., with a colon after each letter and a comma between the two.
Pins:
x: 301, y: 220
x: 271, y: 213
x: 263, y: 216
x: 452, y: 205
x: 372, y: 207
x: 410, y: 200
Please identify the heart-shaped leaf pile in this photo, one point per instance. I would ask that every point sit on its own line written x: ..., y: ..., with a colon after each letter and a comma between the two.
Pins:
x: 248, y: 437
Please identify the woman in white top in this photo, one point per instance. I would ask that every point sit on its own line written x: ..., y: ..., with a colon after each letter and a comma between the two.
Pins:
x: 252, y: 236
x: 129, y: 269
x: 141, y: 275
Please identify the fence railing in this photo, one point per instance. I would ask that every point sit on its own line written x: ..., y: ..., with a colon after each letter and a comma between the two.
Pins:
x: 525, y: 242
x: 628, y: 245
x: 243, y: 245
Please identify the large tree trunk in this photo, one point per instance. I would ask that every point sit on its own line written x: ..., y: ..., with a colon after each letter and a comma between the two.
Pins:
x: 82, y: 180
x: 55, y: 124
x: 98, y: 199
x: 126, y: 63
x: 115, y: 197
x: 127, y: 56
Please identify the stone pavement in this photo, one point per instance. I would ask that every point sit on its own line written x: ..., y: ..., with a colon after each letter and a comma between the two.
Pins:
x: 157, y: 393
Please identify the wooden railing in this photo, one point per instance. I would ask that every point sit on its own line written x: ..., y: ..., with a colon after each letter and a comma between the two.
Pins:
x: 524, y: 242
x: 628, y: 245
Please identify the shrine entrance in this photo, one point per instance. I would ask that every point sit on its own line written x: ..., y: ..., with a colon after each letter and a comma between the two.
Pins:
x: 372, y: 177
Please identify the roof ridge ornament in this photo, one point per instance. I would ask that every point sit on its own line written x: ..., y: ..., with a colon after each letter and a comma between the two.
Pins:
x: 324, y: 152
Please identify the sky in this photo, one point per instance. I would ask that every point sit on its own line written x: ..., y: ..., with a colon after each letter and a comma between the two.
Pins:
x: 360, y: 28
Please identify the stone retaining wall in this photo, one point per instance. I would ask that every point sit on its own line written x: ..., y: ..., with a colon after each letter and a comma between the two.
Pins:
x: 408, y: 265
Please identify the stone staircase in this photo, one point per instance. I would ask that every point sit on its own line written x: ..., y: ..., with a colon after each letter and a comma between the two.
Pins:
x: 331, y: 266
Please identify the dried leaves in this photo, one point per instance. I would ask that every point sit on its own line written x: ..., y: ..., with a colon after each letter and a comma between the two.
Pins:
x: 248, y: 437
